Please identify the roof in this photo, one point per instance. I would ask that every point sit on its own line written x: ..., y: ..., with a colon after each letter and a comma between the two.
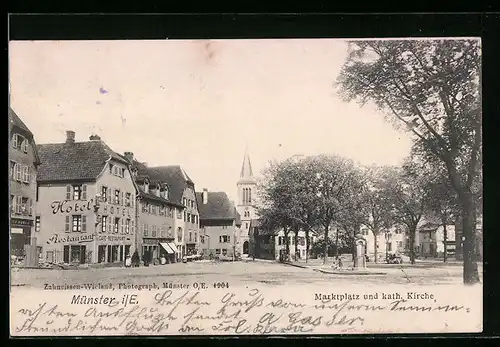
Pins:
x: 17, y: 122
x: 154, y: 197
x: 76, y: 161
x: 218, y: 207
x: 175, y: 177
x: 246, y: 167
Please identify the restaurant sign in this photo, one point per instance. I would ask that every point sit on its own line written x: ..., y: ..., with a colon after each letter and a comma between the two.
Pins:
x: 66, y: 239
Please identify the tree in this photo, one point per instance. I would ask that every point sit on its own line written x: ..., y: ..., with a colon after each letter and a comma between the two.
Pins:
x: 337, y: 182
x: 377, y: 203
x: 441, y: 200
x: 433, y: 88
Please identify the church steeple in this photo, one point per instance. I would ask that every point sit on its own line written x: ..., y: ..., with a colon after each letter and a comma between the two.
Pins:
x: 246, y: 167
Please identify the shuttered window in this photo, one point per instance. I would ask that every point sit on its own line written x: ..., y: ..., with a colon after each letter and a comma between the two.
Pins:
x: 66, y: 225
x: 84, y: 192
x: 68, y: 192
x: 84, y: 223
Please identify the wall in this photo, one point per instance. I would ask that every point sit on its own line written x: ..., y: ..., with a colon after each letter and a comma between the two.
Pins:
x: 22, y: 224
x: 52, y: 207
x: 397, y: 242
x: 211, y: 237
x: 301, y: 247
x: 191, y: 244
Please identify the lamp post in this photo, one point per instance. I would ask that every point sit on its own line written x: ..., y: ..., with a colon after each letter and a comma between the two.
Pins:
x: 387, y: 237
x: 97, y: 205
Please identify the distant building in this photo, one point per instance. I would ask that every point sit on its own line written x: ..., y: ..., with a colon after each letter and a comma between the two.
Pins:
x: 220, y: 224
x: 157, y: 214
x: 86, y: 202
x: 246, y: 204
x: 393, y: 241
x: 182, y: 193
x: 23, y: 164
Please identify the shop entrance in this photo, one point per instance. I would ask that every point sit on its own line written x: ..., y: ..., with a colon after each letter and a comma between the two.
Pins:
x: 75, y: 254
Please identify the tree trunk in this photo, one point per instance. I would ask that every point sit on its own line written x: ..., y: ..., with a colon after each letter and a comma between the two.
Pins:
x: 337, y: 242
x: 412, y: 232
x: 470, y: 275
x: 287, y: 243
x: 307, y: 244
x: 445, y: 234
x: 296, y: 238
x: 325, y: 249
x: 375, y: 246
x: 353, y: 250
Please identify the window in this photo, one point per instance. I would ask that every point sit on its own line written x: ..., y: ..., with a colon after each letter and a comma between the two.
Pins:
x: 400, y: 244
x: 153, y: 231
x: 145, y: 207
x: 224, y: 251
x: 195, y: 236
x: 146, y: 187
x: 217, y: 251
x: 111, y: 168
x: 185, y: 216
x: 224, y: 239
x: 77, y: 192
x: 104, y: 193
x: 146, y: 230
x: 15, y: 141
x: 189, y: 217
x: 162, y: 232
x: 179, y: 213
x: 116, y: 225
x: 190, y: 236
x: 224, y: 227
x: 24, y: 145
x: 246, y: 225
x: 77, y: 223
x: 13, y: 170
x: 117, y: 197
x: 127, y: 226
x: 37, y: 223
x: 184, y: 201
x: 202, y: 239
x: 179, y: 234
x: 104, y: 223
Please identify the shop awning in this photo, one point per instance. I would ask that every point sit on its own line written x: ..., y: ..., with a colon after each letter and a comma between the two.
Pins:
x: 173, y: 246
x: 167, y: 248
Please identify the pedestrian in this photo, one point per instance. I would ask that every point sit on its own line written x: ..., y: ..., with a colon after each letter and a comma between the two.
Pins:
x: 146, y: 258
x: 128, y: 261
x: 135, y: 259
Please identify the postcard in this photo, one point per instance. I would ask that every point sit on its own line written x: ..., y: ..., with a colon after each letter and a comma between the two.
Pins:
x: 245, y: 187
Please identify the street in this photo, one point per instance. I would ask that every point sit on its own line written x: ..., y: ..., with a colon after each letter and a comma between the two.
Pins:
x: 243, y: 273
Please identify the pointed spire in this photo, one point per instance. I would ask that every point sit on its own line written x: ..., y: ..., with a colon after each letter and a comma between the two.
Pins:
x: 246, y: 167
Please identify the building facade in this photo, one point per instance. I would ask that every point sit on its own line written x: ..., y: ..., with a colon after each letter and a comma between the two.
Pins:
x: 181, y: 193
x: 393, y: 241
x: 23, y: 165
x: 157, y: 215
x: 220, y: 225
x: 86, y: 203
x: 246, y: 204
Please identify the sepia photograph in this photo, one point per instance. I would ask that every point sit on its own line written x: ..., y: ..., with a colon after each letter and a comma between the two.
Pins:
x: 245, y: 187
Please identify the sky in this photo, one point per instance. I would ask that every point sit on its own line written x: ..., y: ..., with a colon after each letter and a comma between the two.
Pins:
x: 199, y: 103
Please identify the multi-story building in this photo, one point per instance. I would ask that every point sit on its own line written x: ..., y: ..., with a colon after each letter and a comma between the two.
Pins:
x: 86, y: 202
x: 182, y: 193
x: 157, y: 214
x: 393, y: 241
x: 246, y: 204
x: 23, y: 165
x: 220, y: 225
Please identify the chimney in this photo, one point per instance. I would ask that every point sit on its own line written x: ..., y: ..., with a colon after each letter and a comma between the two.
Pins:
x: 94, y: 137
x: 204, y: 196
x: 70, y: 137
x: 129, y: 156
x: 145, y: 164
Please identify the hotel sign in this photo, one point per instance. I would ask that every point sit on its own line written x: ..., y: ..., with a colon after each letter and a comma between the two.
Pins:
x: 66, y: 206
x: 66, y: 239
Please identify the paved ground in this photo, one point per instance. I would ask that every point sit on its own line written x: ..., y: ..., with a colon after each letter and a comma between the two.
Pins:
x: 240, y: 273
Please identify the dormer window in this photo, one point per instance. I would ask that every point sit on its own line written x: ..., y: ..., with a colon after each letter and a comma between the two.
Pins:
x: 146, y: 187
x: 157, y: 190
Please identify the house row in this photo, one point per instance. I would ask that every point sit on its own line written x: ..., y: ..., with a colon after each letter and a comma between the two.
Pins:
x: 81, y: 202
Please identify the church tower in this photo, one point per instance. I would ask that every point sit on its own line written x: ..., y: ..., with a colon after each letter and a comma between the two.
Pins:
x: 247, y: 193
